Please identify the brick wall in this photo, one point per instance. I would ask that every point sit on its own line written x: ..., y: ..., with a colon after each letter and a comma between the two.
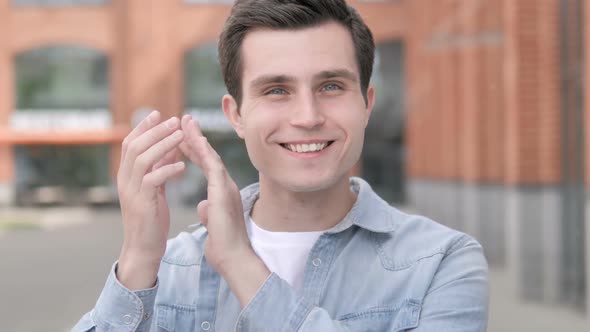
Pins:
x: 484, y: 91
x: 6, y: 165
x: 455, y: 113
x: 532, y: 85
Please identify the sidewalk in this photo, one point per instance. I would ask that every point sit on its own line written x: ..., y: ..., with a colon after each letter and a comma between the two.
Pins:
x: 46, y: 218
x: 508, y: 313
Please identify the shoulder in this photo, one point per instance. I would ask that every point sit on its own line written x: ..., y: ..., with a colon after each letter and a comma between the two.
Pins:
x: 401, y: 239
x: 186, y: 248
x: 415, y: 238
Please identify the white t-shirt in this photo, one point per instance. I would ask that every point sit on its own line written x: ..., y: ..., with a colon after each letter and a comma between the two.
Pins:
x: 284, y: 253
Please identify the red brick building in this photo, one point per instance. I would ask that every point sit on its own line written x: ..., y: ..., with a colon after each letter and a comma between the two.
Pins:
x: 494, y: 105
x: 495, y: 132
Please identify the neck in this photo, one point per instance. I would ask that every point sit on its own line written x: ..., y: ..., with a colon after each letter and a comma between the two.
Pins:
x: 280, y: 210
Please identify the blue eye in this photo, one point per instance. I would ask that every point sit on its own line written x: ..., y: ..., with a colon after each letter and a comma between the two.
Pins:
x: 331, y: 87
x: 276, y: 91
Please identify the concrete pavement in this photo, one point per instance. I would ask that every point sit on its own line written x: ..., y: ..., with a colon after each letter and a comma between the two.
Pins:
x: 50, y: 277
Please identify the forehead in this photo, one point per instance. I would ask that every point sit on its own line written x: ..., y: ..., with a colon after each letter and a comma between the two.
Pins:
x: 299, y: 53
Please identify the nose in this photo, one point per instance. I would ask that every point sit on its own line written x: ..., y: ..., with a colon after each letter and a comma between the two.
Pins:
x: 306, y: 113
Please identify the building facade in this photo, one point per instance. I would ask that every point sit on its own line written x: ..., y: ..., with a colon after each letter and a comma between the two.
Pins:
x: 497, y: 110
x: 74, y: 73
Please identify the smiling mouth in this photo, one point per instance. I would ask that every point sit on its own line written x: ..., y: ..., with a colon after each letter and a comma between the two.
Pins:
x: 307, y: 148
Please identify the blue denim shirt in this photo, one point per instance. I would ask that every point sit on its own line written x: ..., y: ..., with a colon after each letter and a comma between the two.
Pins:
x: 379, y: 269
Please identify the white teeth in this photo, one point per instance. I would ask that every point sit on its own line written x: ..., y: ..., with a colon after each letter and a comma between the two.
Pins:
x: 314, y: 147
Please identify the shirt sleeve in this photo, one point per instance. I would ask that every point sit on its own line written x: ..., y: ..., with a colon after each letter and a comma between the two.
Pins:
x: 119, y: 309
x: 457, y: 300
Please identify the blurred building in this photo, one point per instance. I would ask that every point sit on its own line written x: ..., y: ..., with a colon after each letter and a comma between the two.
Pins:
x: 497, y: 108
x: 76, y: 74
x: 479, y: 122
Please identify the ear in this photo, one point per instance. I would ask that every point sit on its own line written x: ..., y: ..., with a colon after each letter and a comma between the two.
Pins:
x: 370, y: 102
x: 232, y: 113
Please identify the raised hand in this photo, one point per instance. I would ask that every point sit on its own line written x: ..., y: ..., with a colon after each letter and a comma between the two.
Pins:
x: 147, y: 162
x: 222, y: 212
x: 227, y: 247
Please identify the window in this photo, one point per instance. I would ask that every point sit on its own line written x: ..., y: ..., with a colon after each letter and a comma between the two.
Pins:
x: 204, y: 88
x: 62, y: 77
x: 61, y: 88
x: 385, y: 130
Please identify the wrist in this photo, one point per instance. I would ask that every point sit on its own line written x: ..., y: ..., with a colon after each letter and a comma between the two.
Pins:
x: 137, y: 271
x: 233, y: 263
x: 245, y: 275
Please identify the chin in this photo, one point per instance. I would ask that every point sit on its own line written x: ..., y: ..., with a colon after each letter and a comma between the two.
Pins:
x: 307, y: 183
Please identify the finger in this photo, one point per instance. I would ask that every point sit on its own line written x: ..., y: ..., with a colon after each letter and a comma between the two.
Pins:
x: 149, y: 122
x: 211, y: 162
x: 158, y: 177
x: 184, y: 146
x: 193, y: 132
x: 202, y: 212
x: 184, y: 125
x: 169, y: 158
x: 151, y: 156
x: 191, y: 127
x: 143, y: 142
x: 190, y: 153
x: 184, y: 120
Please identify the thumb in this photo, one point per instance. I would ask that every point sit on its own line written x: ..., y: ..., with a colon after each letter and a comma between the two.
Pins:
x: 202, y: 212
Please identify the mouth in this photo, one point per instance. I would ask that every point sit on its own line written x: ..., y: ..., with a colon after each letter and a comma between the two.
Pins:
x: 307, y: 147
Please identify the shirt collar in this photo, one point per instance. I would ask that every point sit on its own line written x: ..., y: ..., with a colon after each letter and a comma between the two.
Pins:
x: 369, y: 211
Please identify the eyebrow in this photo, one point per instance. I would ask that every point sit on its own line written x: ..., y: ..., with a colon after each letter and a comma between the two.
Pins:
x: 271, y: 79
x: 326, y: 74
x: 336, y: 73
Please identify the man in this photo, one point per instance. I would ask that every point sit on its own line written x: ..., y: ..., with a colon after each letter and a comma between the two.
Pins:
x: 307, y: 248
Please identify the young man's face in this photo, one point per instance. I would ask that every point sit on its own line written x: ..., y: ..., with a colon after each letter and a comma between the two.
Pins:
x: 303, y: 115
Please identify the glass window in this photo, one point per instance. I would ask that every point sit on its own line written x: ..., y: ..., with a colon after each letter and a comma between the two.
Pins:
x: 204, y: 88
x: 204, y: 83
x: 62, y: 77
x: 61, y: 88
x: 385, y: 128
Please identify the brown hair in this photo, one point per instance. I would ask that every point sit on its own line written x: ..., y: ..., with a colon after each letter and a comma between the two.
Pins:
x: 290, y: 14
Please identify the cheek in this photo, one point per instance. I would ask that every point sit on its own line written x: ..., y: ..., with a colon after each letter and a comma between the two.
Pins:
x: 357, y: 139
x: 255, y: 152
x: 356, y: 134
x: 258, y: 136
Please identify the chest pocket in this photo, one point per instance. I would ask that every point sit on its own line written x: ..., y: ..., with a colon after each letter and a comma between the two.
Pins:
x: 173, y: 318
x: 394, y: 319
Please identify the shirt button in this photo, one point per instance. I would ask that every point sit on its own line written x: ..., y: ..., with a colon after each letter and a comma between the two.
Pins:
x: 317, y: 262
x: 205, y: 326
x: 127, y: 319
x: 146, y: 316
